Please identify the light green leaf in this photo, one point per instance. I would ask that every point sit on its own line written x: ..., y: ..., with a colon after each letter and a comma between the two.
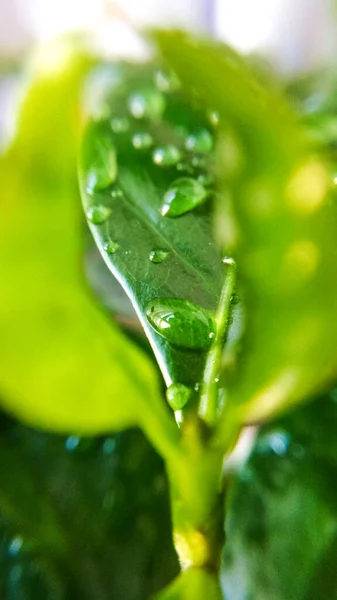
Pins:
x: 63, y: 365
x: 278, y: 219
x: 193, y: 584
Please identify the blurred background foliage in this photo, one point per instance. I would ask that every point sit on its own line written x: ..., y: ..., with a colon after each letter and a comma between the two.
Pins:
x: 89, y: 517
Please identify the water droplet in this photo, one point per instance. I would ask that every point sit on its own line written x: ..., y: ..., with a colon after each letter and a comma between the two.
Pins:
x: 213, y: 117
x: 72, y: 442
x: 103, y: 168
x: 228, y: 260
x: 278, y: 442
x: 116, y: 193
x: 109, y: 446
x: 166, y: 82
x: 199, y: 162
x: 98, y: 214
x: 206, y: 179
x: 111, y: 247
x: 15, y: 546
x: 178, y: 395
x: 185, y: 167
x: 158, y: 255
x: 120, y: 124
x: 181, y: 322
x: 142, y: 140
x: 183, y: 195
x: 148, y: 103
x: 167, y: 156
x: 202, y: 141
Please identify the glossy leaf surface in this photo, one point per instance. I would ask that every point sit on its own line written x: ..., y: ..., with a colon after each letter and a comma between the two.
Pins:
x: 152, y: 152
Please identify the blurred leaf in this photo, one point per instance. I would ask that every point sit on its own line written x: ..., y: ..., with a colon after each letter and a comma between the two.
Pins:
x: 281, y: 517
x: 278, y: 219
x: 151, y: 133
x: 191, y: 584
x: 63, y: 365
x: 107, y: 499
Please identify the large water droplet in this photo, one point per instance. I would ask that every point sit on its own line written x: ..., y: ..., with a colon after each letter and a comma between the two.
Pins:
x: 158, y: 255
x: 181, y: 322
x: 200, y: 141
x: 103, y: 168
x: 167, y: 156
x: 147, y: 103
x: 183, y: 195
x: 119, y: 124
x: 142, y: 140
x: 98, y: 214
x: 178, y: 395
x: 111, y: 247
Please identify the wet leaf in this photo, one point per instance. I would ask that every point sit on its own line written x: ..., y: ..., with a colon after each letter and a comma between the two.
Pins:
x: 159, y: 258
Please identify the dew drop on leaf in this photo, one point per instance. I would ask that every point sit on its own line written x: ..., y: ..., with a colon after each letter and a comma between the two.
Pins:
x: 119, y: 124
x: 116, y: 193
x: 109, y: 446
x: 111, y: 247
x: 167, y: 156
x: 98, y: 214
x: 142, y: 140
x: 147, y: 103
x: 181, y: 322
x: 182, y: 196
x: 201, y: 141
x: 158, y: 255
x: 178, y: 395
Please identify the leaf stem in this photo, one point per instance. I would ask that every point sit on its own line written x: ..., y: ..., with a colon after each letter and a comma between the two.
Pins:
x: 208, y: 400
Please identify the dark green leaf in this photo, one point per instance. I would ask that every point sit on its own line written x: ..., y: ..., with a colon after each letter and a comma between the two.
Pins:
x: 281, y: 518
x: 155, y: 257
x: 89, y: 515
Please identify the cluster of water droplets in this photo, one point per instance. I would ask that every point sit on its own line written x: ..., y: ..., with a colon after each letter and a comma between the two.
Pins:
x: 190, y: 157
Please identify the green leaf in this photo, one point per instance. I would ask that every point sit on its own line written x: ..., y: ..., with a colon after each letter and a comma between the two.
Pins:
x: 63, y: 365
x: 152, y: 136
x: 281, y: 517
x: 277, y: 217
x: 91, y: 515
x: 192, y: 584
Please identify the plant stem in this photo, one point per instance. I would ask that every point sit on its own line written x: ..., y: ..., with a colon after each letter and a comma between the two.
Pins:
x: 208, y: 400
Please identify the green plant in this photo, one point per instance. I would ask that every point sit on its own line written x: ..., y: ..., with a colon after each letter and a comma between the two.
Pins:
x: 212, y: 202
